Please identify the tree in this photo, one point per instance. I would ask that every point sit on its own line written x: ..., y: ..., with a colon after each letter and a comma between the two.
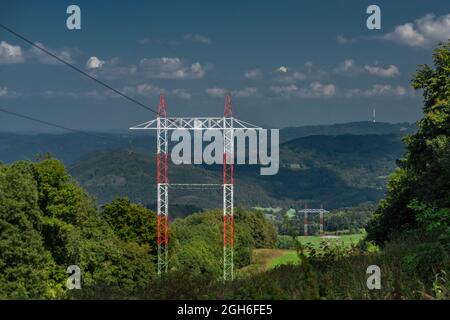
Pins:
x: 47, y: 222
x: 131, y: 222
x: 423, y: 175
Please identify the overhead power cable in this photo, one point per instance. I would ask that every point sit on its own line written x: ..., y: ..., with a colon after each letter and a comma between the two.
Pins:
x: 55, y: 125
x: 76, y: 68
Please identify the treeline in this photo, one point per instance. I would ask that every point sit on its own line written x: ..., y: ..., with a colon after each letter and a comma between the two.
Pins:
x: 418, y: 197
x: 47, y: 223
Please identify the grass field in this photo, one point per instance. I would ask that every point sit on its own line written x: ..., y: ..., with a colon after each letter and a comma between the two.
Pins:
x: 262, y: 259
x: 290, y: 256
x: 265, y: 259
x: 346, y: 239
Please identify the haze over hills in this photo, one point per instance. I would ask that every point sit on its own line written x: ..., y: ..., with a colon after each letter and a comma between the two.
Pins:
x: 71, y: 147
x: 356, y: 128
x: 339, y: 165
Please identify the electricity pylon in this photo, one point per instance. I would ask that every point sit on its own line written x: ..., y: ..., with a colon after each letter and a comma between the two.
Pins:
x: 228, y: 125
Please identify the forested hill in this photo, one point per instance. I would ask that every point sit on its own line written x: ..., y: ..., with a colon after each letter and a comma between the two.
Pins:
x: 339, y: 171
x: 316, y: 166
x: 71, y: 147
x: 354, y: 128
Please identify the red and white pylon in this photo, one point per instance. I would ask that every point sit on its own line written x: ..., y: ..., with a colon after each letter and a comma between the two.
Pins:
x: 162, y: 182
x: 321, y: 221
x: 306, y: 212
x: 227, y: 124
x: 228, y: 189
x: 305, y: 221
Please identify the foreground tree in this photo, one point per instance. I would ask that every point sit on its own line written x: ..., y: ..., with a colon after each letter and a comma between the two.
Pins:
x: 418, y: 194
x: 47, y: 222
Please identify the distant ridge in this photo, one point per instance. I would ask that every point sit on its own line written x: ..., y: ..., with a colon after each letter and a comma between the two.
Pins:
x: 355, y: 128
x: 71, y: 147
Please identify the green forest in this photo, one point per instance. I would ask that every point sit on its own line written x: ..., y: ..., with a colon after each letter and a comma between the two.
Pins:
x: 48, y: 222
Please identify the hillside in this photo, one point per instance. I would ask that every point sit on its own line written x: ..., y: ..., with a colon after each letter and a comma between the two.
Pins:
x: 72, y: 147
x: 339, y: 171
x: 339, y: 165
x: 354, y: 128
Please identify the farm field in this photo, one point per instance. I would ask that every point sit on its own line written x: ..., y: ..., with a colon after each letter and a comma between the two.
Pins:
x: 290, y: 256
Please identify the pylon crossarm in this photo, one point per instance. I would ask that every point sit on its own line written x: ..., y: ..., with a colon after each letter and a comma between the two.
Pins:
x: 313, y: 211
x: 228, y: 125
x: 196, y: 124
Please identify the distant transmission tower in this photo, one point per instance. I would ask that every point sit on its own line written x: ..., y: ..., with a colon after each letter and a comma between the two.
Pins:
x: 227, y: 124
x: 306, y: 212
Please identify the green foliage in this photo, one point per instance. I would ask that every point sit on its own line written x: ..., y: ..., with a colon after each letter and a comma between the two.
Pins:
x: 435, y: 222
x: 131, y: 222
x: 47, y: 223
x: 423, y: 178
x: 199, y: 240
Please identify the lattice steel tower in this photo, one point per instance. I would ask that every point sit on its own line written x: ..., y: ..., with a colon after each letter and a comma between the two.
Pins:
x: 227, y: 124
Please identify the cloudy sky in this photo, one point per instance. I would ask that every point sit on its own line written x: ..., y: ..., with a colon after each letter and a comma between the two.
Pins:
x: 285, y: 63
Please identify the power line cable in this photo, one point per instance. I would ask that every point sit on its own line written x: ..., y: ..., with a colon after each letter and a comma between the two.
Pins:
x: 77, y: 69
x: 23, y: 116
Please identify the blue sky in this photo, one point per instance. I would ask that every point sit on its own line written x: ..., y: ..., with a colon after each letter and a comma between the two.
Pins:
x: 285, y: 63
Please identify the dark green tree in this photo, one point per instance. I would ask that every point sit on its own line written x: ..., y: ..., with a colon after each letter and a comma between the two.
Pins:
x: 47, y: 222
x: 423, y: 177
x: 131, y: 222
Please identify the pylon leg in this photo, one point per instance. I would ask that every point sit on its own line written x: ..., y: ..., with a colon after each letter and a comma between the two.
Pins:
x: 305, y: 222
x: 228, y: 189
x: 321, y: 223
x: 162, y: 182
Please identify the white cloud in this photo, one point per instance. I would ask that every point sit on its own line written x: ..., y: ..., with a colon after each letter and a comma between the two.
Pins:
x: 351, y: 68
x: 111, y: 69
x: 182, y: 94
x: 314, y: 90
x: 281, y: 69
x: 216, y: 92
x: 94, y: 63
x: 253, y: 74
x: 379, y: 90
x: 150, y: 68
x: 171, y: 68
x: 317, y: 90
x: 350, y: 93
x: 348, y: 67
x: 423, y: 32
x: 197, y: 38
x: 294, y: 77
x: 10, y: 54
x: 241, y: 93
x: 343, y: 40
x: 3, y: 91
x: 6, y: 93
x: 244, y: 93
x: 146, y: 89
x: 389, y: 72
x: 284, y: 90
x: 66, y: 54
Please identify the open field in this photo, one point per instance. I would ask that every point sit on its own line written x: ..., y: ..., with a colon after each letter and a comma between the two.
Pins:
x: 262, y: 259
x: 290, y: 256
x: 346, y: 239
